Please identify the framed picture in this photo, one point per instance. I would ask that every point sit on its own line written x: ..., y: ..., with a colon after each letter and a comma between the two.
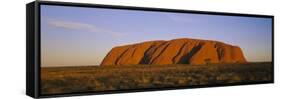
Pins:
x: 83, y: 49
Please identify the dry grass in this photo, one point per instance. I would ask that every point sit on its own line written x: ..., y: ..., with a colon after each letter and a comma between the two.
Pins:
x: 57, y: 80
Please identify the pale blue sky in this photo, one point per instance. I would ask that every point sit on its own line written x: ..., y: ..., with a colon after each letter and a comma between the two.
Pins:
x: 83, y: 36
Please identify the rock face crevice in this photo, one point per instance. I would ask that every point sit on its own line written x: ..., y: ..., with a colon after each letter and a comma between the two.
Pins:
x: 177, y: 51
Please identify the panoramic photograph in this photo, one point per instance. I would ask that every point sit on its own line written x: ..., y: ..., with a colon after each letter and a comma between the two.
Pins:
x: 87, y: 49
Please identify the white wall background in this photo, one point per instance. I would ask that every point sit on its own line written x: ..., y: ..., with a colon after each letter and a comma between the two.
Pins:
x: 12, y: 49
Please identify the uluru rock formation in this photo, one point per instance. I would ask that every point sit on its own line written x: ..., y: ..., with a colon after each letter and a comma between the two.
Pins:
x: 177, y: 51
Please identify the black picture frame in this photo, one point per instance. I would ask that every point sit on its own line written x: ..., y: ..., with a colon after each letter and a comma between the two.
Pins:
x: 33, y: 46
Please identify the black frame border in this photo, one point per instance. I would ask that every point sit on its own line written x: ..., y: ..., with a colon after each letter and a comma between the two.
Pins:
x: 70, y: 4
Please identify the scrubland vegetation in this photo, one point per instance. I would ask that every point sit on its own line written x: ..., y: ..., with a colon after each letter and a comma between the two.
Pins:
x: 57, y: 80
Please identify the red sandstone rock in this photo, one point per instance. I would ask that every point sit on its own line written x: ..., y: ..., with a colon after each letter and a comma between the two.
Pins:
x: 177, y: 51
